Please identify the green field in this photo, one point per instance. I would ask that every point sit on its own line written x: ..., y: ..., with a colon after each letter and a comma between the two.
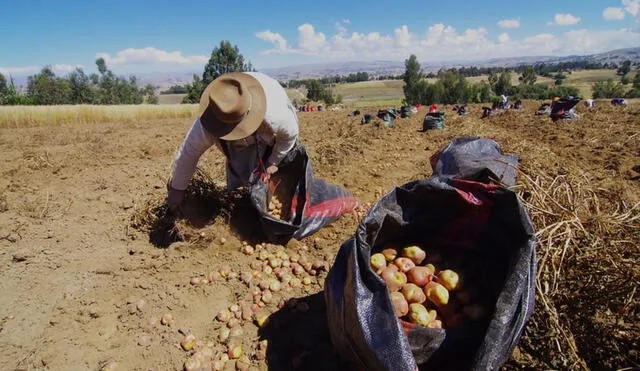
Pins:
x: 170, y: 98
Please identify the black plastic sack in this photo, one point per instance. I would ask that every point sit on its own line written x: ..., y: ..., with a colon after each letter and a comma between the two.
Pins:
x: 433, y: 120
x: 485, y: 224
x: 475, y: 158
x: 314, y: 203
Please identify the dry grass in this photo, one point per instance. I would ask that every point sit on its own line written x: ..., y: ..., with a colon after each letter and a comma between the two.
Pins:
x: 29, y: 116
x: 571, y: 222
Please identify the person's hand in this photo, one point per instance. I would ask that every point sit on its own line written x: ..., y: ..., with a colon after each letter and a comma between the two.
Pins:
x: 272, y: 169
x: 175, y: 198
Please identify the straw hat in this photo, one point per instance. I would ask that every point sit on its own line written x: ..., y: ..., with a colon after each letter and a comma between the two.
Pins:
x: 233, y: 106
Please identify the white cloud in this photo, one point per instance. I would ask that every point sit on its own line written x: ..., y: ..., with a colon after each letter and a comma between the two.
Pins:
x: 564, y: 20
x: 346, y: 21
x: 613, y: 14
x: 509, y: 23
x: 151, y: 56
x: 632, y: 7
x: 403, y: 37
x: 309, y: 40
x: 340, y: 27
x: 274, y: 37
x: 66, y: 67
x: 18, y: 71
x: 440, y: 42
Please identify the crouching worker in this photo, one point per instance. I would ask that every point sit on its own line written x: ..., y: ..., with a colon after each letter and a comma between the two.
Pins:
x: 250, y: 119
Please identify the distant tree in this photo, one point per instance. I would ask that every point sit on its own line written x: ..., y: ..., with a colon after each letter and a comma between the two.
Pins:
x: 607, y: 89
x: 194, y: 90
x: 635, y: 88
x: 102, y: 66
x: 412, y: 77
x: 528, y: 76
x: 625, y: 80
x: 47, y: 89
x: 503, y: 84
x: 484, y: 93
x: 150, y: 94
x: 4, y: 88
x: 175, y: 89
x: 493, y: 79
x: 82, y: 91
x: 624, y: 68
x: 224, y: 58
x: 315, y: 90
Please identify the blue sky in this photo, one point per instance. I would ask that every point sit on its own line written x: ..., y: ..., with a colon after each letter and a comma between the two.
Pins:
x: 177, y: 36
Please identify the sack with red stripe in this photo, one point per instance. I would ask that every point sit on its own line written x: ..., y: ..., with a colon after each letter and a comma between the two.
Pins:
x: 293, y: 203
x: 472, y: 226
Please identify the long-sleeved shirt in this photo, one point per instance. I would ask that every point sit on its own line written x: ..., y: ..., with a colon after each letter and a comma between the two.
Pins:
x: 279, y: 130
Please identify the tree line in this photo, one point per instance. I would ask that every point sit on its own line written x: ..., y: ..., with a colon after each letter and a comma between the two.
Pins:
x: 104, y: 87
x: 451, y: 87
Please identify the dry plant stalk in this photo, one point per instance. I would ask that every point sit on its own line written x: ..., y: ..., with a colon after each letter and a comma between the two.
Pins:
x: 569, y: 219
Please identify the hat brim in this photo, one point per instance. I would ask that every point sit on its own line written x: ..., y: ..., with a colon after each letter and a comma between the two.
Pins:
x: 245, y: 127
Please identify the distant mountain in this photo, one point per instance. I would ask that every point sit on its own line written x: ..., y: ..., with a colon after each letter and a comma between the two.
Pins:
x: 397, y: 67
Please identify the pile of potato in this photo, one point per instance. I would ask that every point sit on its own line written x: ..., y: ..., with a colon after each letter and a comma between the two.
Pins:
x: 275, y: 208
x: 421, y: 293
x: 272, y: 281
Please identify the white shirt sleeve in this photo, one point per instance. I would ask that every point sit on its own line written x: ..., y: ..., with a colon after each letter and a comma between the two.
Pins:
x: 196, y: 142
x: 285, y: 132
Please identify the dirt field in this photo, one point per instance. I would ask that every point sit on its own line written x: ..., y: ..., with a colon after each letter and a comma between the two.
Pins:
x: 86, y: 274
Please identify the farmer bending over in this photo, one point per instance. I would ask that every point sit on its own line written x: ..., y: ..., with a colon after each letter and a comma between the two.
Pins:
x: 249, y: 117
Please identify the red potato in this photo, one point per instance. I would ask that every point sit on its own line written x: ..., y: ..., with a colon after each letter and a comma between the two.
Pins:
x: 436, y: 293
x: 419, y: 315
x: 243, y: 363
x: 262, y: 318
x: 378, y: 262
x: 308, y: 266
x: 235, y: 351
x: 420, y: 275
x: 416, y: 254
x: 390, y: 254
x: 399, y: 304
x: 247, y: 313
x: 224, y: 334
x: 188, y: 342
x: 192, y: 364
x: 413, y: 293
x: 225, y: 270
x: 233, y: 322
x: 393, y: 278
x: 246, y: 277
x: 297, y: 269
x: 404, y: 264
x: 223, y: 316
x: 275, y: 286
x: 449, y: 279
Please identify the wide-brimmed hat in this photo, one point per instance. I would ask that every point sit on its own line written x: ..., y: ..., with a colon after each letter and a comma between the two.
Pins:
x: 233, y: 106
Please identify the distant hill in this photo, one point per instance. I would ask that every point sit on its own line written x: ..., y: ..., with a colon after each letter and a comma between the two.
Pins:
x: 397, y: 67
x: 163, y: 80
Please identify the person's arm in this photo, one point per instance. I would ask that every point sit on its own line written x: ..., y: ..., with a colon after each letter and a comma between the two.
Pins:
x: 286, y: 135
x: 196, y: 142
